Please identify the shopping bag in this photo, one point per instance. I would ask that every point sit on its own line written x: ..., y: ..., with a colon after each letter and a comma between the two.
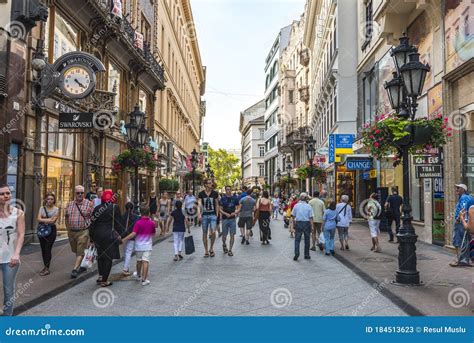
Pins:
x: 189, y: 245
x: 321, y: 238
x: 89, y: 258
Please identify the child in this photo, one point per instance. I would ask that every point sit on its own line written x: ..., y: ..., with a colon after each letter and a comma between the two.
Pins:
x: 179, y: 227
x: 143, y: 232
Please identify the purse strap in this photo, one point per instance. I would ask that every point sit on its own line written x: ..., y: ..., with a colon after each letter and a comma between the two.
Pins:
x: 45, y: 212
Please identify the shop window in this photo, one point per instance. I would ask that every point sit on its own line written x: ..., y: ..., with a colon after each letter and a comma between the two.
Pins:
x: 113, y: 83
x: 142, y: 99
x: 59, y: 144
x: 112, y: 149
x: 468, y: 153
x: 60, y: 181
x: 67, y: 34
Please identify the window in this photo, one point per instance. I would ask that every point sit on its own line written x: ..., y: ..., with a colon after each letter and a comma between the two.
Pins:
x: 261, y: 132
x: 261, y: 150
x: 113, y: 84
x: 369, y: 90
x: 67, y: 34
x: 261, y: 169
x: 291, y: 96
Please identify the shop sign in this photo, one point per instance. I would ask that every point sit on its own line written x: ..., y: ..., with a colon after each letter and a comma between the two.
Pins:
x: 366, y: 175
x: 425, y: 159
x: 359, y: 164
x: 323, y: 151
x: 332, y: 149
x: 428, y: 171
x: 470, y: 159
x: 469, y: 170
x: 373, y: 174
x: 76, y: 120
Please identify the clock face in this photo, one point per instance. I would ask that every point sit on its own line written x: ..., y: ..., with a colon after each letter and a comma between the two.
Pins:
x: 77, y: 82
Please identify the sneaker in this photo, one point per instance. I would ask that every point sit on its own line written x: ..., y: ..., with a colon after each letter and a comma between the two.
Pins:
x: 145, y: 282
x: 136, y: 276
x: 313, y: 248
x: 243, y: 240
x: 307, y: 257
x: 251, y: 233
x: 333, y: 253
x: 247, y: 242
x: 74, y: 273
x: 295, y: 258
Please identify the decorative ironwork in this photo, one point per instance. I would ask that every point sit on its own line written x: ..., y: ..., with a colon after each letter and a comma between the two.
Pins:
x: 304, y: 57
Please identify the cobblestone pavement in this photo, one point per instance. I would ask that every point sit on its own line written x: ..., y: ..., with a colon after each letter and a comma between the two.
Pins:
x: 257, y: 281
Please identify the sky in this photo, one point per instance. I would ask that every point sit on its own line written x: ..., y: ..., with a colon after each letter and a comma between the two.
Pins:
x: 235, y: 37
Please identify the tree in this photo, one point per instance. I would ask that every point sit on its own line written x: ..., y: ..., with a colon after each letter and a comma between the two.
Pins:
x: 226, y: 167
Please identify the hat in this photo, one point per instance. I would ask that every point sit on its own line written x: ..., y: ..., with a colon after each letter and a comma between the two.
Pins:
x: 108, y: 196
x: 462, y: 185
x: 303, y: 196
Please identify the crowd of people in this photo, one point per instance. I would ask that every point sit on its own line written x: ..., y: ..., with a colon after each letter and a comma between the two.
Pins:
x: 94, y: 220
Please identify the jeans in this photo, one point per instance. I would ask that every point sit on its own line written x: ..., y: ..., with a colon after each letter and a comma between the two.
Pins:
x: 300, y: 229
x: 9, y: 277
x: 390, y: 220
x: 178, y: 239
x: 329, y: 238
x: 46, y: 244
x: 129, y: 247
x: 465, y: 249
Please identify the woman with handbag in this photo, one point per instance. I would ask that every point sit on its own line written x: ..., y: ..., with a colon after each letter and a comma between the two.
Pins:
x: 129, y: 219
x: 263, y: 214
x: 105, y: 231
x: 344, y: 210
x: 46, y: 230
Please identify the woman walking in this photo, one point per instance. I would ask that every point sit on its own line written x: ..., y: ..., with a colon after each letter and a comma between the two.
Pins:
x: 12, y: 235
x: 330, y: 218
x: 263, y: 214
x: 105, y: 230
x: 152, y: 204
x: 373, y: 211
x: 179, y: 228
x: 48, y: 214
x: 165, y: 209
x: 344, y: 210
x: 128, y: 220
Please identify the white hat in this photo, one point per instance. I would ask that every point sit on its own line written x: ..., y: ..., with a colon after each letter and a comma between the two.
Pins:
x: 303, y: 196
x: 462, y: 185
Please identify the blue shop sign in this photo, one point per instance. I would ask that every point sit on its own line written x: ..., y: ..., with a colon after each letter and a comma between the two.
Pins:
x: 332, y: 149
x: 359, y: 164
x: 344, y: 141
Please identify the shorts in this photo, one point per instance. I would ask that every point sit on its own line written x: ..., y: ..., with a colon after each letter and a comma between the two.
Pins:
x: 79, y: 241
x: 229, y: 226
x: 374, y: 226
x: 317, y: 227
x: 209, y: 220
x: 143, y: 255
x: 458, y: 234
x: 246, y: 222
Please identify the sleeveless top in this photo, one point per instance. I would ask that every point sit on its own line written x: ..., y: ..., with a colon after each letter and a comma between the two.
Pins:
x: 264, y: 207
x: 51, y: 213
x: 163, y: 208
x: 8, y: 236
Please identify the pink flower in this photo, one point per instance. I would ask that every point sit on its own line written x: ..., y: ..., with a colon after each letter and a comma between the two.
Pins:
x: 449, y: 134
x: 450, y: 129
x: 371, y: 137
x: 376, y: 144
x: 377, y: 131
x: 446, y: 119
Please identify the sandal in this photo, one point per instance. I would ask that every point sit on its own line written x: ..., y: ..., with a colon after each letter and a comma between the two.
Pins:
x: 206, y: 255
x: 224, y: 247
x: 180, y: 257
x: 230, y: 253
x: 99, y: 280
x: 212, y: 253
x: 106, y: 284
x: 126, y: 273
x: 175, y: 258
x: 44, y: 272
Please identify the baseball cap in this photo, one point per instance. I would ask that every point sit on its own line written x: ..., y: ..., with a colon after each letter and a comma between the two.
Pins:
x: 462, y: 185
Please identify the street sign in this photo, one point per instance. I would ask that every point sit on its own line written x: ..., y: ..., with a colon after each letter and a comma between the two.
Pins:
x: 426, y: 159
x: 332, y: 149
x: 75, y: 120
x: 359, y: 164
x: 428, y: 171
x: 323, y: 151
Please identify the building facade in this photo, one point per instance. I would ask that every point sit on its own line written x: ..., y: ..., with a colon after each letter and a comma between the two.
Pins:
x: 252, y: 130
x: 150, y: 62
x: 272, y: 101
x: 330, y: 34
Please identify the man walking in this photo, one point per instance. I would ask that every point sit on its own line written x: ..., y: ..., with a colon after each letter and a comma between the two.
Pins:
x: 393, y: 205
x: 247, y: 207
x: 461, y: 237
x: 318, y: 207
x: 78, y: 216
x: 190, y: 207
x: 208, y: 208
x: 303, y: 214
x: 229, y: 208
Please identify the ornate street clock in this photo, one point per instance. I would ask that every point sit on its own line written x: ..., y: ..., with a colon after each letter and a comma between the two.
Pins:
x: 77, y: 81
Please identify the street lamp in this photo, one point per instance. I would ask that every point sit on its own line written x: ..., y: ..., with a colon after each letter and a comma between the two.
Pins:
x: 136, y: 139
x: 256, y: 181
x: 310, y: 151
x: 289, y: 167
x: 194, y: 161
x: 403, y: 91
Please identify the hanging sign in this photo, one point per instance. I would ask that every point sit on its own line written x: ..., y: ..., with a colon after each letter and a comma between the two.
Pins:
x: 426, y: 159
x: 76, y: 120
x: 428, y: 171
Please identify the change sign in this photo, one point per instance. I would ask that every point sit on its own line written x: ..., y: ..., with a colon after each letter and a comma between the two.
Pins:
x: 359, y: 164
x: 428, y: 171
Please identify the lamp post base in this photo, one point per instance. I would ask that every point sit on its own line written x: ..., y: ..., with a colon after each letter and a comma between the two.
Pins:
x: 407, y: 273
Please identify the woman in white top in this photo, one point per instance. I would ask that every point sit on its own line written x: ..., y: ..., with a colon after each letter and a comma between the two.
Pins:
x: 164, y: 210
x: 48, y: 214
x: 12, y: 235
x: 345, y: 213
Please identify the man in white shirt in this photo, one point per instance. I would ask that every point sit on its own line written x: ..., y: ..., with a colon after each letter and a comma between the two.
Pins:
x: 344, y: 210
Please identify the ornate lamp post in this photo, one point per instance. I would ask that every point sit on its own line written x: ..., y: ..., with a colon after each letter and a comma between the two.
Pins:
x: 403, y: 91
x: 194, y: 161
x: 278, y: 175
x: 289, y: 167
x: 137, y: 135
x: 310, y: 151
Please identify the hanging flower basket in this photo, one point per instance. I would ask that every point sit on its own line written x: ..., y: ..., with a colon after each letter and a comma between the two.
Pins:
x: 390, y: 133
x: 288, y: 181
x: 198, y: 176
x: 168, y: 185
x: 319, y: 174
x: 130, y: 159
x: 302, y: 172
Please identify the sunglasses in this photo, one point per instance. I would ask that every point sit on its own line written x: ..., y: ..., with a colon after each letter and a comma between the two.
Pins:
x: 79, y: 193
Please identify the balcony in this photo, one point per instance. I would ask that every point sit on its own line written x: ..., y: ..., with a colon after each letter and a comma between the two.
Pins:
x: 295, y: 138
x: 304, y: 57
x: 304, y: 94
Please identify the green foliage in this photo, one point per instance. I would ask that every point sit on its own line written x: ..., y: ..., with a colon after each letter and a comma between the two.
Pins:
x: 319, y: 174
x: 168, y: 185
x: 226, y: 167
x: 129, y: 159
x: 381, y: 137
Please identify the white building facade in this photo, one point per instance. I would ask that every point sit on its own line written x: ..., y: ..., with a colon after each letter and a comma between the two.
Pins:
x: 252, y: 129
